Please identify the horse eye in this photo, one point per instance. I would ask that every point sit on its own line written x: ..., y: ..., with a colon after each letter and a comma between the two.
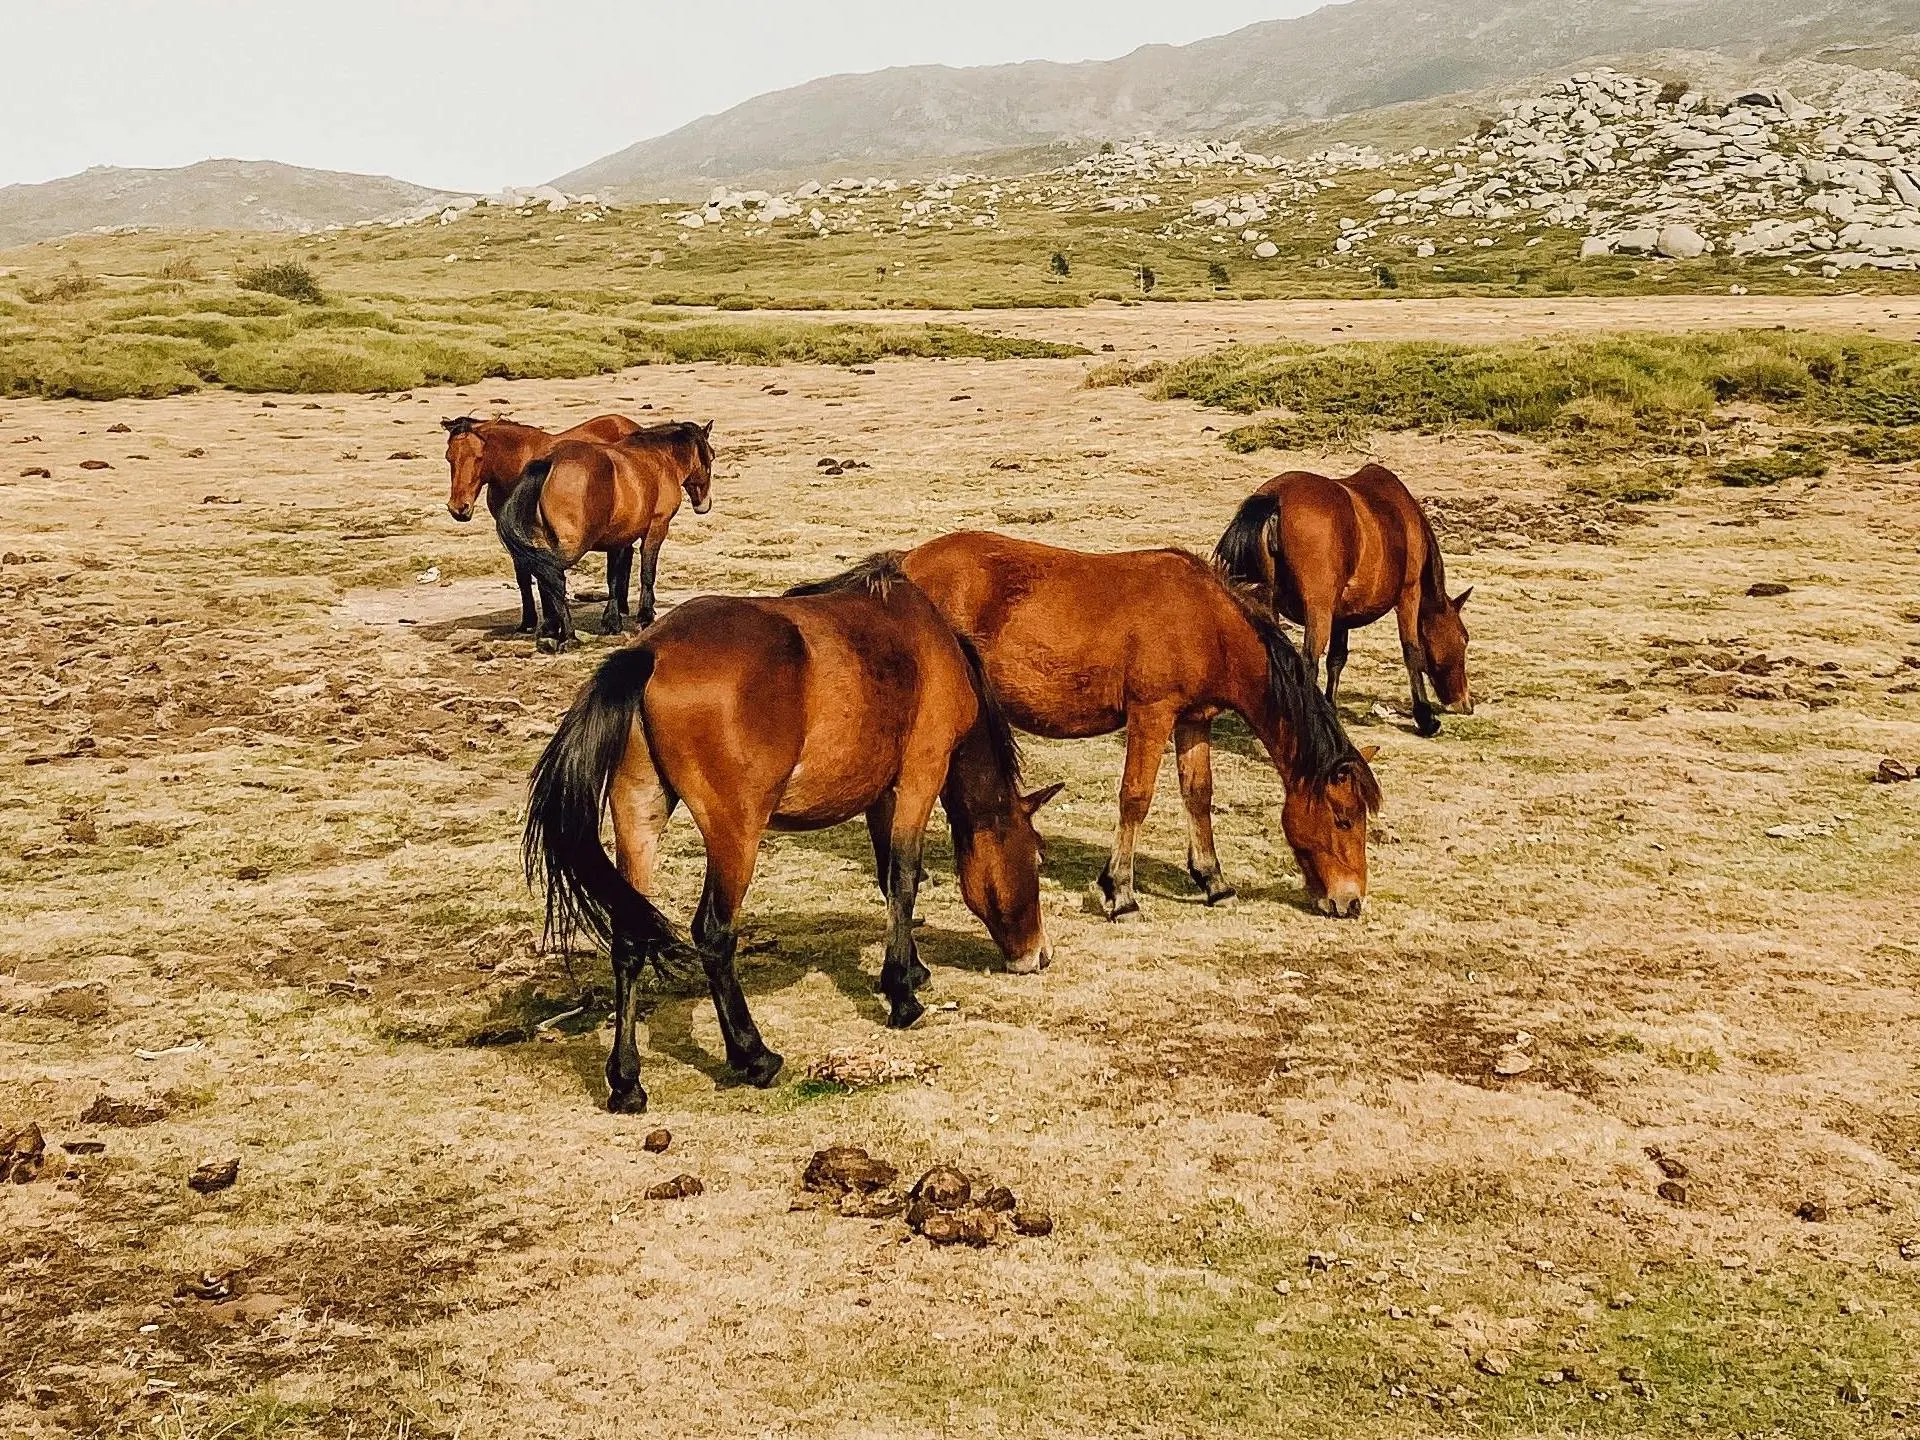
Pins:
x: 1343, y: 824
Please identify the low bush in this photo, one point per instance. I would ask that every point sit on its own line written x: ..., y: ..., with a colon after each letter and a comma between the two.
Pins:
x: 288, y: 279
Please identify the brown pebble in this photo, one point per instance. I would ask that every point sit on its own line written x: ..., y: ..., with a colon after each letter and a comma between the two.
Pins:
x: 657, y: 1142
x: 126, y: 1111
x: 678, y: 1188
x: 1812, y: 1211
x: 119, y: 427
x: 944, y: 1188
x: 21, y: 1155
x: 214, y: 1175
x: 1493, y: 1363
x: 1032, y: 1222
x: 1672, y: 1191
x: 1670, y: 1167
x: 36, y: 472
x: 95, y: 465
x: 1762, y: 589
x: 847, y: 1167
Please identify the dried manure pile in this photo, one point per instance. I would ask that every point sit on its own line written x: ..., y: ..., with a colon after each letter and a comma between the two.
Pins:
x: 1597, y: 1117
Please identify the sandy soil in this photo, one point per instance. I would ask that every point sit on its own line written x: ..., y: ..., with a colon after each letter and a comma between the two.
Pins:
x: 267, y: 741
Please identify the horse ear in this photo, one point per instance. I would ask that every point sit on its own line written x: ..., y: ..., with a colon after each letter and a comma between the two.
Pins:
x: 1461, y: 598
x: 707, y: 429
x: 1033, y: 802
x: 1367, y: 752
x: 447, y: 425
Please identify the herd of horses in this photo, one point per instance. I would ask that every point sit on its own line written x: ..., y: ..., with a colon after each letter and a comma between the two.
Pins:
x: 903, y: 680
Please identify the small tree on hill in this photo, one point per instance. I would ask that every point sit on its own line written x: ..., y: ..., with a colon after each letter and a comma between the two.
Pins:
x: 1058, y: 264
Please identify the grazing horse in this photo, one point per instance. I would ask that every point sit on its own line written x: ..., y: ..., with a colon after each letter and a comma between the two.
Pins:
x: 847, y: 697
x: 582, y: 496
x: 1334, y: 555
x: 490, y: 454
x: 1156, y: 641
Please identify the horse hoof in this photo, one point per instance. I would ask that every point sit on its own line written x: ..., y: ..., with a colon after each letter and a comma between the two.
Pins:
x: 905, y: 1011
x: 1125, y: 913
x: 1426, y: 722
x: 527, y: 627
x: 1225, y: 895
x: 627, y: 1102
x: 611, y: 627
x: 917, y: 975
x: 762, y: 1070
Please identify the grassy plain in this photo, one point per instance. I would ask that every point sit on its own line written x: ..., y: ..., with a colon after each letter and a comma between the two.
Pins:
x: 266, y: 784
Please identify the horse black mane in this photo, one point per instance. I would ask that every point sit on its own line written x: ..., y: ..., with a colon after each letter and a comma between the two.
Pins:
x: 1241, y: 553
x: 1321, y: 747
x: 993, y: 719
x: 876, y: 575
x: 667, y: 432
x: 460, y: 424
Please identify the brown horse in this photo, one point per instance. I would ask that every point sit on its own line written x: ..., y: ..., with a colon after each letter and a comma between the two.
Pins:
x: 490, y: 454
x: 1154, y: 640
x: 848, y: 697
x: 582, y: 497
x: 1334, y: 555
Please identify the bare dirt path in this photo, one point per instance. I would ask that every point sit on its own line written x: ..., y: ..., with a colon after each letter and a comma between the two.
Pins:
x: 267, y: 742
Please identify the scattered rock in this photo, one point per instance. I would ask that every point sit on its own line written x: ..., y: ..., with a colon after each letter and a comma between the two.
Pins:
x: 847, y: 1167
x: 95, y: 465
x: 1811, y: 1211
x: 1512, y: 1062
x: 214, y: 1176
x: 84, y: 1147
x: 1039, y: 1222
x: 406, y: 455
x: 36, y: 472
x: 1674, y: 1192
x: 943, y: 1188
x: 1852, y: 1392
x: 678, y: 1188
x: 119, y: 427
x: 22, y: 1153
x: 657, y: 1142
x: 1668, y: 1166
x: 1761, y: 589
x: 1622, y: 1300
x: 126, y: 1111
x: 1893, y: 772
x: 196, y: 453
x: 1493, y: 1363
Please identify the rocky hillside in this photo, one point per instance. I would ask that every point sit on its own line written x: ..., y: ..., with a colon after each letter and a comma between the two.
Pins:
x: 215, y: 194
x: 1341, y: 59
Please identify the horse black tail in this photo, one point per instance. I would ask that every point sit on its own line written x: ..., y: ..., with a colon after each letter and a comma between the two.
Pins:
x: 1242, y: 551
x: 521, y: 531
x: 585, y: 890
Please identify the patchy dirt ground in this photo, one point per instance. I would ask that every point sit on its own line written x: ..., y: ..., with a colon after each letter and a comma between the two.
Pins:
x: 267, y: 738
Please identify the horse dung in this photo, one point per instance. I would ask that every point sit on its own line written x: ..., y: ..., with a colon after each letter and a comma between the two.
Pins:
x: 213, y: 1176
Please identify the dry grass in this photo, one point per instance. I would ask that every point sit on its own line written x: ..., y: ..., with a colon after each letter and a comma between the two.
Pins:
x: 273, y: 819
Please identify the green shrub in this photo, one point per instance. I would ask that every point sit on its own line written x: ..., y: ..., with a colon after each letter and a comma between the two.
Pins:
x: 1884, y: 446
x: 69, y: 284
x: 1782, y: 464
x: 288, y: 279
x: 1057, y: 263
x: 1217, y: 275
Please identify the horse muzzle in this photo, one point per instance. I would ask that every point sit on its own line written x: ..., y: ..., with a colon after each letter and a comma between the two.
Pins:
x: 1034, y: 963
x: 701, y: 507
x: 463, y: 514
x: 1462, y: 706
x: 1340, y: 907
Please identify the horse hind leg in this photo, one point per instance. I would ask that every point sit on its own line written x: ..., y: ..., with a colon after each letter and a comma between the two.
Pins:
x: 730, y: 861
x: 641, y: 802
x: 1426, y: 719
x: 618, y: 560
x: 529, y: 615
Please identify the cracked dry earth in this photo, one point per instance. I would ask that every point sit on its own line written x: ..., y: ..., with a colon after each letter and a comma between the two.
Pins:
x: 1603, y: 1120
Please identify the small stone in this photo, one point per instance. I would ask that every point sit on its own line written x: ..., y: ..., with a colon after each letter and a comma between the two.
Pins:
x: 95, y: 465
x: 1812, y: 1211
x: 1035, y: 1223
x: 1283, y: 1287
x: 1318, y: 1260
x: 1670, y: 1167
x: 1493, y: 1363
x: 847, y: 1167
x: 119, y: 427
x: 1632, y: 1374
x: 678, y: 1188
x: 657, y: 1142
x: 1892, y: 772
x: 1674, y: 1192
x: 36, y: 472
x: 1762, y: 589
x: 213, y: 1176
x: 943, y: 1188
x: 22, y: 1153
x: 1512, y: 1062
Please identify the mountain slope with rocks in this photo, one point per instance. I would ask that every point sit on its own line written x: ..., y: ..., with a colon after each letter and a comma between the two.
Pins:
x: 1339, y: 60
x: 214, y: 194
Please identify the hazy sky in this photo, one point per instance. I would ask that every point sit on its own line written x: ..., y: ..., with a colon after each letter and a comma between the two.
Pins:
x: 490, y: 92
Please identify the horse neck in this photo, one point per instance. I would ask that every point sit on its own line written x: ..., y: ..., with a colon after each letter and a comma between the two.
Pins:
x: 977, y: 790
x: 507, y: 449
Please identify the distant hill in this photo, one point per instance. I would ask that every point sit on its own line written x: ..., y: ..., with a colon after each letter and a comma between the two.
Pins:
x: 1339, y: 60
x: 215, y: 194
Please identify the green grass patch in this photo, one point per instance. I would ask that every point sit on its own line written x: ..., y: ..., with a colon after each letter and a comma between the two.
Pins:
x: 1786, y: 463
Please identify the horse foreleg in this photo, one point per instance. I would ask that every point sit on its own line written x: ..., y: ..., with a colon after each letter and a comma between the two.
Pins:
x: 880, y: 831
x: 730, y: 860
x: 1147, y: 733
x: 1316, y: 638
x: 529, y: 617
x: 1193, y: 751
x: 1426, y: 719
x: 649, y: 566
x: 1336, y: 661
